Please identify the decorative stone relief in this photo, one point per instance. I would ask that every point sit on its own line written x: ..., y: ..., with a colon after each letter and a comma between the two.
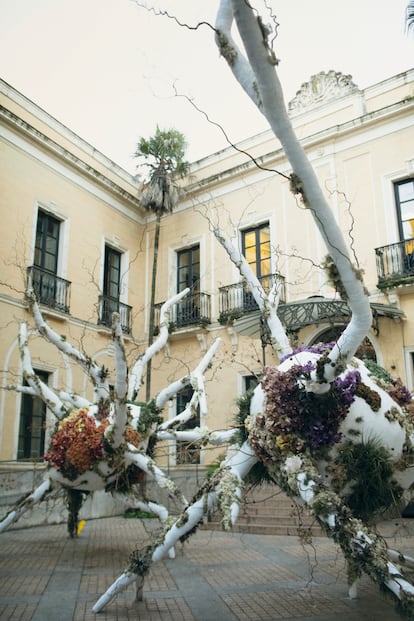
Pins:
x: 322, y: 87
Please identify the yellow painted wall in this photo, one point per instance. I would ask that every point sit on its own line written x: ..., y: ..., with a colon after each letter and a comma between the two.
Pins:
x: 356, y: 163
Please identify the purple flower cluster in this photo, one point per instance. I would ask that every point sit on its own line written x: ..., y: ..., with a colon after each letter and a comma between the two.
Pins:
x: 300, y: 420
x: 347, y: 385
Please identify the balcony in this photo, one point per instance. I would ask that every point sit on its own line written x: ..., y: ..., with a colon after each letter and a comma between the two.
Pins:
x: 395, y: 264
x: 236, y: 300
x: 49, y: 289
x: 193, y: 310
x: 108, y: 306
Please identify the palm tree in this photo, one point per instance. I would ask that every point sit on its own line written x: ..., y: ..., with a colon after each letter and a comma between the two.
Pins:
x: 164, y: 155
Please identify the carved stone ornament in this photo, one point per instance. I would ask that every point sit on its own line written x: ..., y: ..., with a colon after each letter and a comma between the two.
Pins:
x: 322, y: 87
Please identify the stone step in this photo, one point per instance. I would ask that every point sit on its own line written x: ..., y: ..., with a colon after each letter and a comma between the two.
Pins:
x: 268, y: 529
x: 268, y: 519
x: 283, y: 509
x: 268, y: 510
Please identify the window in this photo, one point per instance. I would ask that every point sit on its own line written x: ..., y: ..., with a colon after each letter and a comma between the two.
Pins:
x: 111, y: 290
x: 32, y: 425
x: 256, y: 249
x: 109, y: 302
x: 112, y: 274
x: 187, y: 452
x: 404, y: 197
x: 250, y: 382
x: 49, y: 288
x: 47, y: 242
x: 188, y: 269
x: 188, y: 275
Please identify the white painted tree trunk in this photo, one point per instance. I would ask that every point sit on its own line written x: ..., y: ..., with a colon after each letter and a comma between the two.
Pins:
x: 258, y: 77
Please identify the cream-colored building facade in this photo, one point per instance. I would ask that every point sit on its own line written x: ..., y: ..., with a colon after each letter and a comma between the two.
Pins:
x: 73, y: 220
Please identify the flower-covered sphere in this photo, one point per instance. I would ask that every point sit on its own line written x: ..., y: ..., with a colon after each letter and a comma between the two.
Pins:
x: 288, y: 423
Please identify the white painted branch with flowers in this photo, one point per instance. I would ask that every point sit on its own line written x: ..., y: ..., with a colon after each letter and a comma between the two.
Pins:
x: 104, y: 445
x: 314, y: 417
x: 322, y: 424
x: 93, y: 370
x: 225, y: 488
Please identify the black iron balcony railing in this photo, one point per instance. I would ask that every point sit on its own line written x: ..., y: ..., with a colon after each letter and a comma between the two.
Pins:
x: 49, y: 289
x: 194, y: 309
x: 395, y: 264
x: 107, y: 306
x: 236, y: 300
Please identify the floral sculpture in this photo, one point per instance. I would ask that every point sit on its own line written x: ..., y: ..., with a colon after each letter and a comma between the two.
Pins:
x: 108, y: 445
x: 323, y: 424
x: 320, y: 417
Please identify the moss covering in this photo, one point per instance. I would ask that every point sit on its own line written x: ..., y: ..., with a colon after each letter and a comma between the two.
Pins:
x: 368, y: 465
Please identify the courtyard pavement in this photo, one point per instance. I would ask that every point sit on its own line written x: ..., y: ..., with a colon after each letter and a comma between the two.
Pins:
x: 216, y: 576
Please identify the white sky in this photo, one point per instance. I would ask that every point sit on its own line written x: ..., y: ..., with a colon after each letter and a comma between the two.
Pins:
x: 105, y: 68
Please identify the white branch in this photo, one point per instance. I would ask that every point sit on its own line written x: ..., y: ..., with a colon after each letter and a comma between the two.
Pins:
x: 76, y: 400
x: 230, y: 51
x: 196, y: 379
x: 145, y: 463
x: 170, y: 391
x: 306, y: 181
x: 216, y: 438
x: 34, y: 498
x: 238, y: 465
x: 89, y: 366
x: 41, y: 389
x: 121, y: 383
x: 267, y: 304
x: 135, y: 378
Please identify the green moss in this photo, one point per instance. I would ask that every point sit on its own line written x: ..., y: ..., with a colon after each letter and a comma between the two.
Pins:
x: 377, y: 371
x: 149, y: 415
x: 140, y: 515
x: 368, y: 465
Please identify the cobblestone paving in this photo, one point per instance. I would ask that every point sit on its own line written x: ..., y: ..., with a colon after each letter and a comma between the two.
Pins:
x: 45, y: 576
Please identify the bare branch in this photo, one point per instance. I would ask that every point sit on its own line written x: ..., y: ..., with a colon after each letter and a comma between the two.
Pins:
x: 267, y: 303
x: 40, y: 388
x: 93, y: 370
x: 135, y: 378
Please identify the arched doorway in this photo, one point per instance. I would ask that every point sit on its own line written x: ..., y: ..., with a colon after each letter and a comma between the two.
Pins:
x: 365, y: 350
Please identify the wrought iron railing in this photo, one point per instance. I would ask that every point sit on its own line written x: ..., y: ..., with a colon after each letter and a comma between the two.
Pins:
x: 395, y: 264
x: 237, y: 299
x: 49, y: 289
x: 108, y: 306
x: 194, y: 309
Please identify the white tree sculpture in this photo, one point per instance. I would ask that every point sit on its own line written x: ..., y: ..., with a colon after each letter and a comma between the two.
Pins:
x: 107, y: 444
x: 321, y: 424
x: 319, y: 420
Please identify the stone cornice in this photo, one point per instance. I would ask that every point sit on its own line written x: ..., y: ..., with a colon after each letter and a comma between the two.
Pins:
x: 69, y: 158
x: 266, y: 162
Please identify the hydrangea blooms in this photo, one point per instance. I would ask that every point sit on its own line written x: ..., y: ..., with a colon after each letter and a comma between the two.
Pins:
x: 73, y: 453
x: 300, y: 420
